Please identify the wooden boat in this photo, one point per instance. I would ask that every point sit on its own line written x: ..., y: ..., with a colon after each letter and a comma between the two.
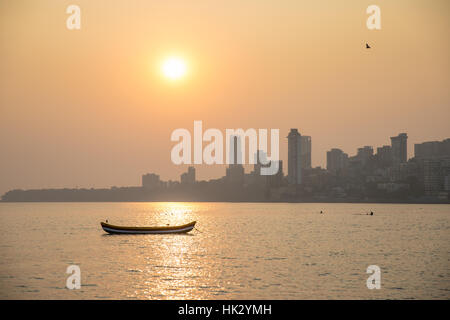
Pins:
x: 147, y: 230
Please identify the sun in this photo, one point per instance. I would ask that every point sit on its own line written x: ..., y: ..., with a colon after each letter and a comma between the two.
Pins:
x: 174, y: 68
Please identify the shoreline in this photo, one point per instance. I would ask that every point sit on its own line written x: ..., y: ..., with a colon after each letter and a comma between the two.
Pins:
x: 237, y: 201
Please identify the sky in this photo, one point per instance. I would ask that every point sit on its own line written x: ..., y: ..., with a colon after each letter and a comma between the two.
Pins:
x: 91, y: 108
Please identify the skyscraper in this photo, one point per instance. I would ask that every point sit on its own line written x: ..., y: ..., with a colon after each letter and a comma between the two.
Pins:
x: 277, y: 179
x: 305, y: 152
x: 189, y: 176
x: 384, y: 155
x: 294, y: 157
x: 337, y: 160
x: 432, y: 149
x: 364, y: 154
x: 260, y: 159
x: 235, y: 171
x: 150, y: 181
x: 436, y: 176
x: 399, y: 148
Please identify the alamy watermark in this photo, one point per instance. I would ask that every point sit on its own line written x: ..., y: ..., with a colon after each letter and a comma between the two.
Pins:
x: 73, y: 22
x: 235, y: 143
x: 374, y: 20
x: 74, y: 280
x: 374, y: 281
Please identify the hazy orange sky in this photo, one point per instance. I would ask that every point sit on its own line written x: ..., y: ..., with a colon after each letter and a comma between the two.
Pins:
x: 90, y: 107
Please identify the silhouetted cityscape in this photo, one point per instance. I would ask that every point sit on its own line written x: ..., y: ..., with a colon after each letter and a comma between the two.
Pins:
x: 385, y: 176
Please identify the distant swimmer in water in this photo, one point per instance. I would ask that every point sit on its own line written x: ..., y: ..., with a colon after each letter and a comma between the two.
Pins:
x: 106, y: 220
x: 371, y: 213
x: 321, y: 211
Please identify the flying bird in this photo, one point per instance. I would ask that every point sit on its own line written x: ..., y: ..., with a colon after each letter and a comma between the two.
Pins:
x: 367, y: 46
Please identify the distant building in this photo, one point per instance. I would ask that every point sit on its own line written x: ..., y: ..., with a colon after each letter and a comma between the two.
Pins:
x: 235, y: 172
x: 188, y: 177
x: 235, y: 152
x: 447, y: 183
x: 436, y: 173
x: 337, y: 160
x: 276, y: 180
x: 392, y: 186
x: 364, y: 154
x: 151, y: 181
x: 305, y: 152
x: 384, y: 155
x: 399, y: 145
x: 432, y: 149
x: 294, y: 157
x: 260, y: 159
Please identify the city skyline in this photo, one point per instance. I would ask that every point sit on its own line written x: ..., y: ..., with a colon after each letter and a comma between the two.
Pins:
x: 425, y: 150
x: 387, y: 175
x: 98, y: 111
x: 303, y: 160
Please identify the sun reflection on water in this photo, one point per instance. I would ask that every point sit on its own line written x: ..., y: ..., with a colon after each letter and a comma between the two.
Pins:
x: 169, y: 270
x: 241, y: 251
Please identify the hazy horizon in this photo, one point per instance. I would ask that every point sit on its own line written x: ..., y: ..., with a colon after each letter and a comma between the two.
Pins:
x: 90, y: 108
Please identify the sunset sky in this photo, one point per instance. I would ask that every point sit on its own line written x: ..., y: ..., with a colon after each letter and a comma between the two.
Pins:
x: 92, y: 108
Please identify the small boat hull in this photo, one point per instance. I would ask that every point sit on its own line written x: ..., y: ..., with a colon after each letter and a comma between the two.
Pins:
x: 112, y: 229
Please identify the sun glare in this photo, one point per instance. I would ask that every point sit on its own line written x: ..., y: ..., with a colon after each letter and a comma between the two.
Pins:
x: 174, y: 68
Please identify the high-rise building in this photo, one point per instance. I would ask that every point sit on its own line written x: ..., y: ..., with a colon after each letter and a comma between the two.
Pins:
x: 235, y: 151
x: 432, y: 149
x: 294, y: 157
x: 305, y: 151
x: 365, y: 153
x: 150, y: 181
x: 436, y: 173
x: 399, y: 148
x: 188, y: 177
x: 235, y: 172
x: 447, y: 182
x: 337, y: 160
x: 260, y: 159
x: 384, y: 155
x: 276, y: 180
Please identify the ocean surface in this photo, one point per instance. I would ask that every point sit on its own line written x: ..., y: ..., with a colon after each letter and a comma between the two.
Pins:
x: 239, y: 251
